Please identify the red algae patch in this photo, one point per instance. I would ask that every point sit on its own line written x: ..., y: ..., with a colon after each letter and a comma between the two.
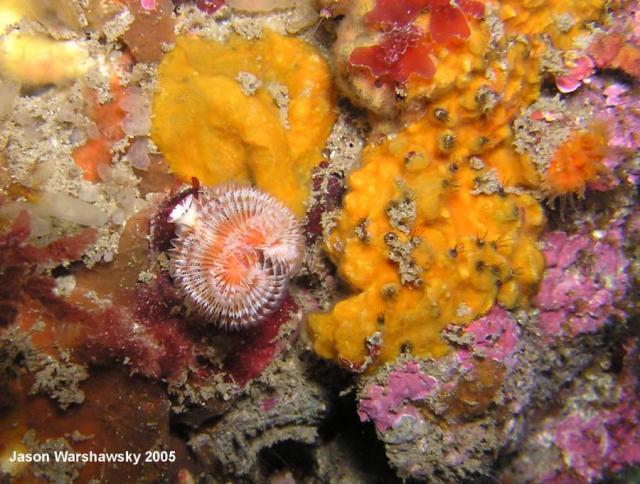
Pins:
x: 392, y: 57
x: 406, y: 49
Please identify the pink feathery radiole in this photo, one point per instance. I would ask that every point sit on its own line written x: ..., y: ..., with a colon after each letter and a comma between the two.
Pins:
x: 235, y: 251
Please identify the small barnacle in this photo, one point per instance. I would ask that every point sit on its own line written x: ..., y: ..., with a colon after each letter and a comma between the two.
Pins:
x: 401, y: 92
x: 441, y: 114
x: 481, y: 240
x: 486, y: 183
x: 450, y: 183
x: 516, y: 211
x: 414, y: 162
x: 500, y: 243
x: 446, y: 142
x: 373, y: 343
x: 409, y: 156
x: 487, y: 99
x: 453, y: 167
x: 362, y: 231
x: 518, y: 271
x: 481, y: 142
x: 406, y: 347
x: 389, y: 291
x: 496, y: 270
x: 476, y: 163
x: 480, y: 265
x: 402, y: 213
x: 390, y: 238
x: 455, y: 251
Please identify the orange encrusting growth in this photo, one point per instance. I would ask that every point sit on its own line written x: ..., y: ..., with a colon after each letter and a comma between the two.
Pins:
x: 108, y: 118
x: 436, y: 226
x: 577, y: 162
x: 420, y: 250
x: 271, y: 136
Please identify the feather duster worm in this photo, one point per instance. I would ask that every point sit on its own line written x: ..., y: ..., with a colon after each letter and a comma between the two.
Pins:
x: 235, y: 250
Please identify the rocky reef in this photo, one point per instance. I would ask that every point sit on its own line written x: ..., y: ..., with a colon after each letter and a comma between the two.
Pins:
x: 459, y: 298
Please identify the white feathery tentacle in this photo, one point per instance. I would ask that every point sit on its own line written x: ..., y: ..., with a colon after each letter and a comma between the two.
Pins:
x: 235, y: 251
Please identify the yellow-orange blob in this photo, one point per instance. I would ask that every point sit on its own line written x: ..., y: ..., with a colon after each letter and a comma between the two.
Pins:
x: 577, y: 162
x: 269, y: 130
x: 422, y: 248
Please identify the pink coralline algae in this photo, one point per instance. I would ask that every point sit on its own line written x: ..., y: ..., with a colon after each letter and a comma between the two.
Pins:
x: 622, y: 113
x: 387, y: 405
x: 495, y: 336
x: 617, y: 105
x: 595, y: 438
x: 585, y: 280
x: 609, y: 436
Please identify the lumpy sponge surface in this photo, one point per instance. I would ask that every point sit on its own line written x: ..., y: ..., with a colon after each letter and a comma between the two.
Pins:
x: 244, y: 111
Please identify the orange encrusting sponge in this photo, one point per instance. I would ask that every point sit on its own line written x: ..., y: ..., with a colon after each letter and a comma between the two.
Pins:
x: 209, y: 125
